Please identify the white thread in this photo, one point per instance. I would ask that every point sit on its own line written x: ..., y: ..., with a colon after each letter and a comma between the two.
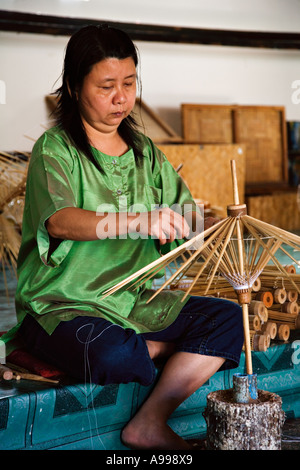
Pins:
x: 87, y: 372
x: 91, y: 324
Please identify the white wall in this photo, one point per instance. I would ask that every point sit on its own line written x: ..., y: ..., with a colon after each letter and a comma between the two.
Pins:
x: 264, y: 15
x: 171, y: 73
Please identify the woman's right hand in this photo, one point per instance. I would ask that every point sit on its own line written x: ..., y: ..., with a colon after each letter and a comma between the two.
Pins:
x: 163, y: 224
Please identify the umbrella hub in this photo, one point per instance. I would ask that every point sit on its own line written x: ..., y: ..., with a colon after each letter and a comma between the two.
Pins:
x: 236, y: 210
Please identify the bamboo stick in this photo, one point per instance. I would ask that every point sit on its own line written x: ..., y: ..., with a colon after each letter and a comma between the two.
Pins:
x: 245, y: 311
x: 290, y: 307
x: 264, y: 315
x: 287, y: 307
x: 275, y: 279
x: 247, y: 343
x: 269, y: 328
x: 169, y: 257
x: 34, y: 377
x: 185, y: 265
x: 281, y: 316
x: 279, y: 295
x: 227, y: 239
x: 282, y: 237
x: 265, y: 297
x: 19, y: 373
x: 254, y: 322
x: 259, y: 342
x: 292, y: 296
x: 257, y: 307
x: 256, y: 286
x: 291, y: 319
x: 6, y: 373
x: 274, y: 282
x: 288, y: 268
x: 286, y: 237
x: 283, y: 332
x: 292, y: 325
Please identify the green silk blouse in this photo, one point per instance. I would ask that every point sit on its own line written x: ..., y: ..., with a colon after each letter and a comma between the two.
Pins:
x: 58, y: 280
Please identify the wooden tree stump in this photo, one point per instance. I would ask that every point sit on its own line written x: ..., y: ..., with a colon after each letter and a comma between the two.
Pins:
x: 243, y: 426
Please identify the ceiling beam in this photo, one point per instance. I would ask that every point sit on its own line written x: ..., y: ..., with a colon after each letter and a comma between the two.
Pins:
x: 66, y: 26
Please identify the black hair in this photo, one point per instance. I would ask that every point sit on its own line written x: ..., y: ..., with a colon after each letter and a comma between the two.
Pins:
x: 86, y: 47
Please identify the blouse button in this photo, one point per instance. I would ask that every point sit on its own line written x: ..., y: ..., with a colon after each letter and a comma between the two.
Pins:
x: 119, y: 192
x: 114, y: 161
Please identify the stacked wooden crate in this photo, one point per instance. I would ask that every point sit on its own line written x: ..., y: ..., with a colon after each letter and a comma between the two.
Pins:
x: 206, y: 171
x: 262, y: 129
x: 262, y: 132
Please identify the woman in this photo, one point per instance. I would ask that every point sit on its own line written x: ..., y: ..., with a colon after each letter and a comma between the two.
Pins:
x: 98, y: 207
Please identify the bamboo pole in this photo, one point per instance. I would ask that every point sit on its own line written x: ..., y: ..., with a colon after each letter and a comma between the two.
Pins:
x: 283, y: 332
x: 254, y: 322
x: 19, y: 373
x: 257, y: 307
x: 247, y: 342
x: 259, y: 342
x: 279, y: 295
x: 6, y: 373
x: 292, y: 296
x: 265, y: 297
x: 290, y: 307
x: 269, y: 328
x: 286, y: 318
x: 256, y: 286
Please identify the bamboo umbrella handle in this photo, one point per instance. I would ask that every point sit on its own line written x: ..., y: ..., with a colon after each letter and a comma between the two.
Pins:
x: 247, y: 342
x: 234, y: 183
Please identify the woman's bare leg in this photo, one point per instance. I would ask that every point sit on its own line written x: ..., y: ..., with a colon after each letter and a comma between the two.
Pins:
x: 182, y: 375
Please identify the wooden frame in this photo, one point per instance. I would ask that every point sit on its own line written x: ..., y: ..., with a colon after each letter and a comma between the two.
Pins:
x: 266, y: 152
x: 153, y: 125
x: 206, y: 181
x: 201, y: 123
x: 266, y: 155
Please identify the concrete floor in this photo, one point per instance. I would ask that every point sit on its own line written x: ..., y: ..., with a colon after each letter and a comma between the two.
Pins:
x: 291, y: 435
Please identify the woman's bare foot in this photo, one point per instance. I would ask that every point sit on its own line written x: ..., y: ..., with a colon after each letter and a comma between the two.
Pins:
x: 182, y: 374
x: 150, y: 435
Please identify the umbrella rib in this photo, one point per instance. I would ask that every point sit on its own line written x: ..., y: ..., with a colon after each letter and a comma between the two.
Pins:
x: 188, y: 263
x: 276, y: 262
x: 161, y: 261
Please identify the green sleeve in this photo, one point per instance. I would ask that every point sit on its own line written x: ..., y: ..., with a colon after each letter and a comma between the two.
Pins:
x: 50, y: 187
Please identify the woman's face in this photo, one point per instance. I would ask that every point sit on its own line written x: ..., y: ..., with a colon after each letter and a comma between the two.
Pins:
x: 108, y: 94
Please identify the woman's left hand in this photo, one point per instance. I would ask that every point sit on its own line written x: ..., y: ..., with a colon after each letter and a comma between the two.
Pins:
x: 210, y: 221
